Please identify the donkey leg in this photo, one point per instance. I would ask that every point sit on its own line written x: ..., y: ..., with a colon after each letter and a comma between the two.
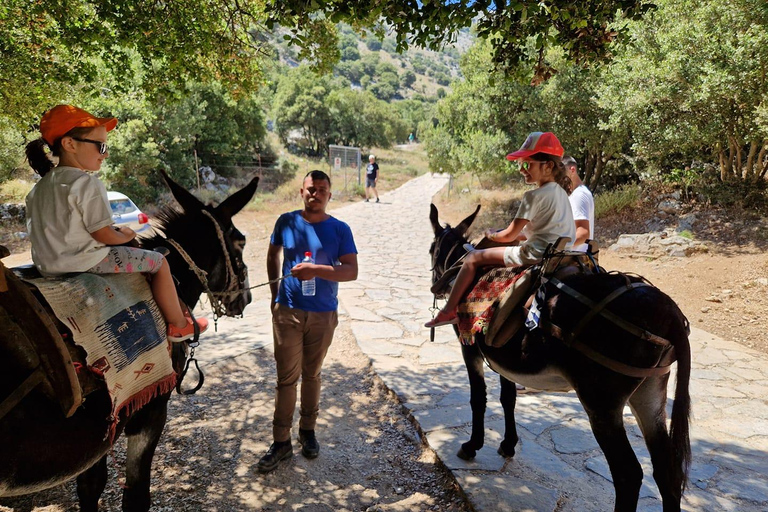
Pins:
x: 90, y: 485
x: 648, y: 405
x: 508, y: 399
x: 143, y: 433
x: 608, y: 428
x: 473, y: 360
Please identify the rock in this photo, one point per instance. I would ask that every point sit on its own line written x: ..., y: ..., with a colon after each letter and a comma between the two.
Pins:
x: 713, y: 298
x: 670, y: 207
x: 207, y: 175
x: 705, y: 309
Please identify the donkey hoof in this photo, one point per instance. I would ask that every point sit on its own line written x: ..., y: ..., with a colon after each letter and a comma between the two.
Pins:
x: 506, y: 451
x: 466, y: 452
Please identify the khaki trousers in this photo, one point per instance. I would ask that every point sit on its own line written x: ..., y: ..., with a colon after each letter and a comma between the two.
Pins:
x: 301, y: 340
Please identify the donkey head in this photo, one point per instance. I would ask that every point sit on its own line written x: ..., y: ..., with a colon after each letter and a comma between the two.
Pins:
x: 448, y: 246
x: 213, y: 243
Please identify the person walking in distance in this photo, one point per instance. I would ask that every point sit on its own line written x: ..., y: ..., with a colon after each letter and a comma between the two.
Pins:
x: 303, y: 324
x: 371, y: 179
x: 582, y: 204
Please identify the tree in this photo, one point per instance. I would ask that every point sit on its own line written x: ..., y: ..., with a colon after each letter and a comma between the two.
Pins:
x: 407, y: 79
x: 521, y: 31
x: 693, y: 85
x: 300, y: 106
x: 53, y: 49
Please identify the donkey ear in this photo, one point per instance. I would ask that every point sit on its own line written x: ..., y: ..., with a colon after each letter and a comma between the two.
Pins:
x: 239, y: 199
x: 464, y: 225
x: 433, y: 219
x: 188, y: 202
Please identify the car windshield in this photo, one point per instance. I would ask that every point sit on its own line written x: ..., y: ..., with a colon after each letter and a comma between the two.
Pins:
x: 121, y: 206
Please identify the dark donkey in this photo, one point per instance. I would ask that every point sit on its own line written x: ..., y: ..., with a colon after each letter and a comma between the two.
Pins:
x: 41, y: 448
x: 541, y: 359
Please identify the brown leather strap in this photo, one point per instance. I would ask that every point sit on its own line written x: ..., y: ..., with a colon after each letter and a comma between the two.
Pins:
x: 36, y: 377
x: 599, y: 308
x: 611, y: 364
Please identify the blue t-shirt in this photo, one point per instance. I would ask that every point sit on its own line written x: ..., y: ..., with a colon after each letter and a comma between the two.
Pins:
x: 327, y: 241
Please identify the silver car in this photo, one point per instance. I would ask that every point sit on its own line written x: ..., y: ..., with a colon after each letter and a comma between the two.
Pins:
x: 126, y: 213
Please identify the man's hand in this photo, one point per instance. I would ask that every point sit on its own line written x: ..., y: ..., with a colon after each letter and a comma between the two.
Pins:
x: 304, y: 271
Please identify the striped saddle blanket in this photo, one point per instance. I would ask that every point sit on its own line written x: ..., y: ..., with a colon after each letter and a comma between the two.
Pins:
x: 114, y: 318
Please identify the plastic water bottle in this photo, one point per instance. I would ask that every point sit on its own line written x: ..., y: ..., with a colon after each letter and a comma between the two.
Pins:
x: 308, y: 286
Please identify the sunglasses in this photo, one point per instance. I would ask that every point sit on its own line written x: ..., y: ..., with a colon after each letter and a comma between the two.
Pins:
x: 102, y: 145
x: 526, y: 165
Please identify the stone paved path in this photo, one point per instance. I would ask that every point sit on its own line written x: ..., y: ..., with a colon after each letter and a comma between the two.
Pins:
x: 558, y: 465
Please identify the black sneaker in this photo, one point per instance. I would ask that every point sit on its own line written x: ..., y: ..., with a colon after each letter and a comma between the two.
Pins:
x: 310, y: 448
x: 276, y: 453
x: 377, y: 199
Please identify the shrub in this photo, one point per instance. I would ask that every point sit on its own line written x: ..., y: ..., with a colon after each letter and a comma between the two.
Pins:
x: 616, y: 200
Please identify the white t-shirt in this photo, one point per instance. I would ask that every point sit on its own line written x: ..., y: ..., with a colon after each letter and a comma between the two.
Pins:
x: 549, y: 212
x: 583, y: 206
x: 63, y: 209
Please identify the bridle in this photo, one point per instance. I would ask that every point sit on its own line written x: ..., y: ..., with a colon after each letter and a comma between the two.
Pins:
x: 441, y: 267
x: 235, y: 281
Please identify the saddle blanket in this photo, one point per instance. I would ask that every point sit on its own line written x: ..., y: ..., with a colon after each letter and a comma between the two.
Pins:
x: 477, y: 310
x: 115, y: 319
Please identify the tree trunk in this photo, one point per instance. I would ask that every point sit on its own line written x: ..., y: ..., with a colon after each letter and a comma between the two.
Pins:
x: 589, y: 169
x: 760, y: 164
x: 750, y: 172
x: 721, y: 156
x: 599, y: 166
x: 729, y: 162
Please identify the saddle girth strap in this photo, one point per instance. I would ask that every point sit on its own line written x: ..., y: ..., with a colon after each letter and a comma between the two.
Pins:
x: 599, y: 308
x: 570, y: 339
x: 611, y: 364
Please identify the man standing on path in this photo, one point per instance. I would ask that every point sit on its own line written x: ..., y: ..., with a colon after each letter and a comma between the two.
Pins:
x: 582, y: 204
x: 371, y: 178
x: 303, y: 325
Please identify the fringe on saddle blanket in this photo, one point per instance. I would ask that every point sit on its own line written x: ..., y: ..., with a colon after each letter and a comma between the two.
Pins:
x: 476, y: 311
x: 114, y: 318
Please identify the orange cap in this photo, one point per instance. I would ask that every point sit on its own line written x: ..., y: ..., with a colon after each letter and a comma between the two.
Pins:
x: 62, y: 118
x: 538, y: 142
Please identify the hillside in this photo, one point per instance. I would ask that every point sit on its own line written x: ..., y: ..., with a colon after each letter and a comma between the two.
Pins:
x: 374, y: 64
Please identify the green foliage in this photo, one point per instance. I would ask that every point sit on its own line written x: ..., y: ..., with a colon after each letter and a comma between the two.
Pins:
x: 692, y: 84
x: 584, y: 30
x: 15, y: 191
x: 617, y: 200
x: 373, y: 44
x: 11, y: 148
x: 313, y: 111
x: 53, y: 49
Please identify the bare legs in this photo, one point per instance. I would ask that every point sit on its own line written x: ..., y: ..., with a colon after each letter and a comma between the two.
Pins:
x: 164, y: 292
x: 475, y: 259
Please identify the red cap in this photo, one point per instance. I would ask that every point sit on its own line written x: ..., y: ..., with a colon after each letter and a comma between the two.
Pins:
x: 538, y: 142
x: 62, y: 118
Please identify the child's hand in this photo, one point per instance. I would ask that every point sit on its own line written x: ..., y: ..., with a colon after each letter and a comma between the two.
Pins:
x: 127, y: 232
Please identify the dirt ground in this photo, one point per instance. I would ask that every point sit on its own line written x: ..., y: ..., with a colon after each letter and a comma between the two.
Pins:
x: 723, y: 291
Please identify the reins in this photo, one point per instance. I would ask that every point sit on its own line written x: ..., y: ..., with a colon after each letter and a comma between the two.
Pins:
x: 232, y: 283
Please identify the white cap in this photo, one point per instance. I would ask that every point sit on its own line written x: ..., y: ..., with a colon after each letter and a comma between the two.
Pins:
x: 371, y: 156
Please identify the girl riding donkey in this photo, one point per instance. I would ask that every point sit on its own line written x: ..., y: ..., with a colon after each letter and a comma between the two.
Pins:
x: 69, y: 219
x: 544, y: 216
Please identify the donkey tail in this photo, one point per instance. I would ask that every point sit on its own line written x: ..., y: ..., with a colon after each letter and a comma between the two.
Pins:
x: 681, y: 410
